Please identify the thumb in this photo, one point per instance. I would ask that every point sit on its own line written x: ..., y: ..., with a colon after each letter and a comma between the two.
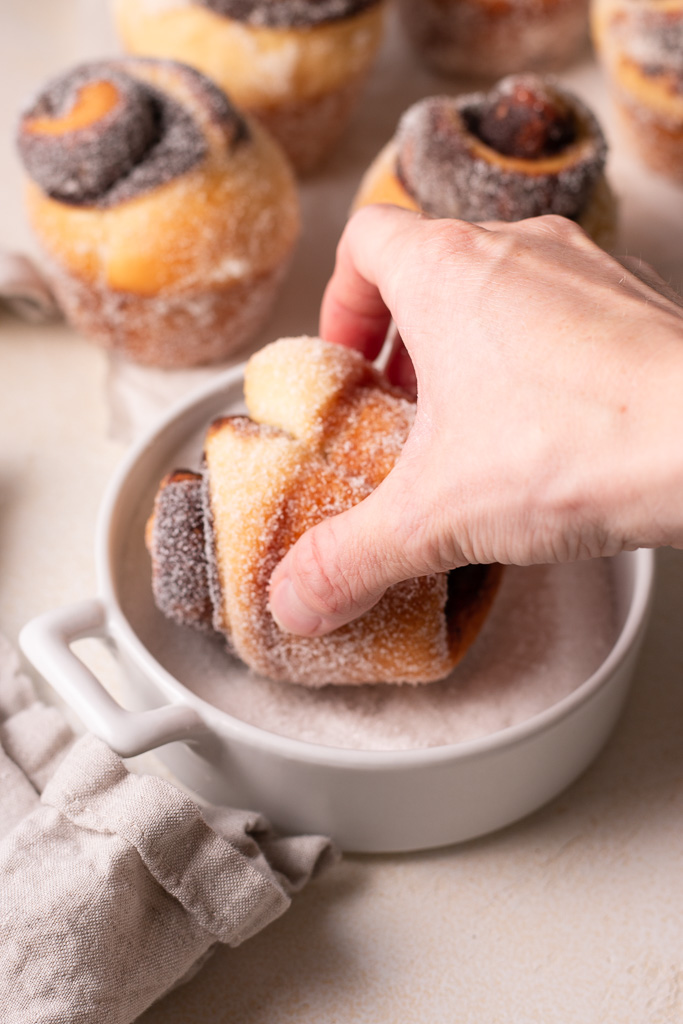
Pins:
x: 341, y: 568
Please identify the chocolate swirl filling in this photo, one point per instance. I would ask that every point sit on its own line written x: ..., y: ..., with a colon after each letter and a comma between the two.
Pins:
x: 287, y: 13
x: 527, y: 148
x: 99, y: 136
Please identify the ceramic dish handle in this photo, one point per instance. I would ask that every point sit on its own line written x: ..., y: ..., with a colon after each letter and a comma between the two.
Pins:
x: 46, y: 643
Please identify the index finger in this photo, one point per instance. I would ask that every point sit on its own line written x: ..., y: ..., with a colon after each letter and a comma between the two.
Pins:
x: 357, y: 305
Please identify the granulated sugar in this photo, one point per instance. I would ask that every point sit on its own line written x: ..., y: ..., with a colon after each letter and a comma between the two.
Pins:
x: 549, y: 630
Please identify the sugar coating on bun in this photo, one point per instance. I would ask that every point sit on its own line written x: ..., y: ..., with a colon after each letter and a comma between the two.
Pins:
x: 145, y: 139
x: 652, y: 38
x: 180, y: 581
x: 452, y: 171
x: 328, y: 431
x: 325, y: 430
x: 167, y: 218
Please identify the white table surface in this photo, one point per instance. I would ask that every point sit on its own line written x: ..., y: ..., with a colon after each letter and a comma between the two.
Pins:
x: 574, y: 916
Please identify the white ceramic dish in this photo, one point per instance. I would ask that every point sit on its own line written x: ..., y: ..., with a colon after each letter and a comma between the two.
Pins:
x: 369, y: 801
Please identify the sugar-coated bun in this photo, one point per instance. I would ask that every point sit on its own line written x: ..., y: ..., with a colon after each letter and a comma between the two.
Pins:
x: 296, y: 65
x: 168, y: 217
x: 526, y: 148
x: 486, y: 40
x: 325, y: 428
x: 640, y: 44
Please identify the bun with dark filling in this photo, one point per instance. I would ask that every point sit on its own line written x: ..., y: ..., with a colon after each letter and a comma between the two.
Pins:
x: 527, y: 148
x: 167, y: 217
x: 324, y: 430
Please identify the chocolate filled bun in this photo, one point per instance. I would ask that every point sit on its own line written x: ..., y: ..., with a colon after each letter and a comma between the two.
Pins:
x: 526, y: 148
x: 324, y: 429
x: 166, y: 217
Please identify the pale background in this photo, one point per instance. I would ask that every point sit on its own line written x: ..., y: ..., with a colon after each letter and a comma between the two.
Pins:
x: 574, y: 916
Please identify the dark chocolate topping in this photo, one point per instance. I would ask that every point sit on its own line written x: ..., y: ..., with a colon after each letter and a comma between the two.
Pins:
x: 442, y: 164
x: 524, y: 123
x: 147, y: 139
x: 287, y: 13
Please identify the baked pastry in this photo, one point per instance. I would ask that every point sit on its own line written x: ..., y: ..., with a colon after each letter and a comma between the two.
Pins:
x: 168, y: 219
x: 325, y: 429
x: 492, y: 38
x: 640, y: 44
x: 297, y: 65
x: 525, y: 149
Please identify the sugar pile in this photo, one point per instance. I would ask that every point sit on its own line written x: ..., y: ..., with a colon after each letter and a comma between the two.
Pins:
x: 550, y: 628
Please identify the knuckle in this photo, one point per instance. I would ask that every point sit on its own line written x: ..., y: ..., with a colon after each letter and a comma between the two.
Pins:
x: 558, y: 227
x: 448, y: 240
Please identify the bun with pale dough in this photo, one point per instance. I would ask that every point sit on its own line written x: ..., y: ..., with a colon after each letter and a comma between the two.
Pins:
x: 325, y: 428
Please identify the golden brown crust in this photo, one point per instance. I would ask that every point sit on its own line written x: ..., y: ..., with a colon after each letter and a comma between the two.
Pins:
x: 329, y: 430
x: 237, y: 210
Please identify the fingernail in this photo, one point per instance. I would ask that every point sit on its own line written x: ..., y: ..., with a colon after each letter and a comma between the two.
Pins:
x: 290, y: 613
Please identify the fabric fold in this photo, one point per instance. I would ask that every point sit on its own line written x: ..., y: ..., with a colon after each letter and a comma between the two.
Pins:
x: 116, y: 887
x: 214, y: 881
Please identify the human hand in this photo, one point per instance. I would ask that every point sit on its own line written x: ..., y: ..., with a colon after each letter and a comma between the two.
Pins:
x: 549, y: 417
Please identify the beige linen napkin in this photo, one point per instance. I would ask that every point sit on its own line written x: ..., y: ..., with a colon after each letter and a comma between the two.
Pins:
x: 115, y: 887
